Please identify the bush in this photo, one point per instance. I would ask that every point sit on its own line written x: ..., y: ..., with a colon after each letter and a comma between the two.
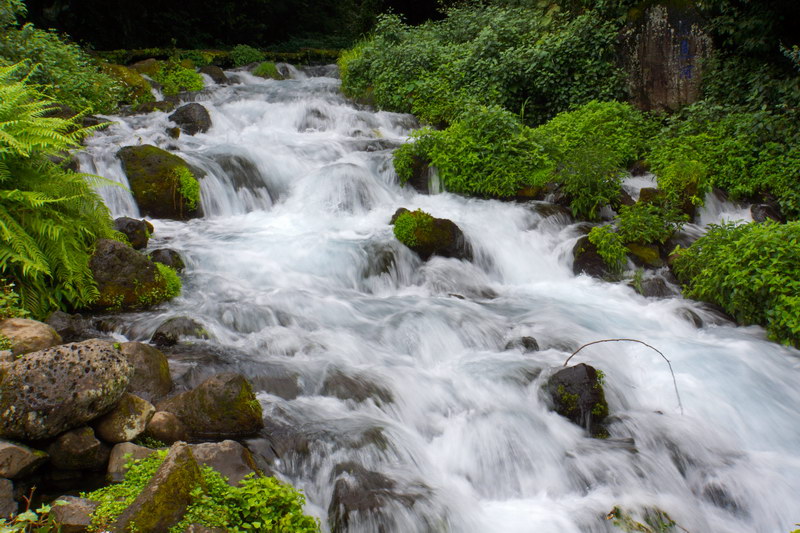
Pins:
x: 648, y: 223
x: 267, y: 69
x: 188, y: 186
x: 752, y: 271
x: 610, y: 247
x: 175, y: 78
x: 243, y: 54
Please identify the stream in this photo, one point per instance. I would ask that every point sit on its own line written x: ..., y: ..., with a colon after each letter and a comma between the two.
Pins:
x: 296, y: 274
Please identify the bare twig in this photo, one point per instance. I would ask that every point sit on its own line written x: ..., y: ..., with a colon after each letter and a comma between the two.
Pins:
x: 674, y: 381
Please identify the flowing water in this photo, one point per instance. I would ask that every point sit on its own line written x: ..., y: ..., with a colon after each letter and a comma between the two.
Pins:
x: 295, y: 272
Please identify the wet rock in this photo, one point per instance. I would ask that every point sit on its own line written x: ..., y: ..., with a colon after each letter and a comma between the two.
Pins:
x: 420, y: 175
x: 7, y: 504
x: 396, y: 215
x: 651, y: 195
x: 223, y: 406
x: 149, y: 67
x: 764, y: 212
x: 653, y: 288
x: 524, y: 344
x: 577, y: 394
x: 28, y: 335
x: 166, y: 427
x: 168, y: 257
x: 70, y: 328
x: 151, y: 379
x: 149, y: 107
x: 137, y: 231
x: 645, y: 255
x: 283, y: 386
x: 125, y: 278
x: 174, y: 133
x: 588, y: 261
x: 79, y: 449
x: 192, y: 118
x: 122, y: 454
x: 173, y: 329
x: 215, y: 73
x: 18, y: 461
x: 126, y: 421
x: 624, y: 199
x: 357, y: 388
x: 74, y: 514
x: 691, y: 317
x: 155, y: 183
x: 428, y: 236
x: 163, y: 502
x: 51, y: 391
x: 228, y: 457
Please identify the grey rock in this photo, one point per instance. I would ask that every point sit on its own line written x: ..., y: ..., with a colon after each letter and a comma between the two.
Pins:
x: 167, y: 427
x: 577, y: 394
x: 121, y: 454
x: 137, y: 231
x: 28, y: 335
x: 171, y: 331
x: 73, y: 514
x: 7, y: 504
x: 79, y: 449
x: 168, y: 257
x: 192, y: 118
x: 126, y: 421
x: 17, y: 461
x: 151, y: 378
x: 228, y: 457
x: 215, y: 73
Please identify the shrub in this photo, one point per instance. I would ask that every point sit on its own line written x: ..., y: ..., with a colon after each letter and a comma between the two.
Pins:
x: 175, y: 78
x: 752, y: 271
x: 267, y: 69
x: 610, y: 247
x: 188, y: 186
x: 9, y: 302
x: 648, y: 223
x: 243, y: 54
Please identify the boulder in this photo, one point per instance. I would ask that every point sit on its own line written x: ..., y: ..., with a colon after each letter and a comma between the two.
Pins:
x: 171, y: 331
x: 7, y: 504
x: 764, y: 212
x: 168, y: 257
x: 70, y: 328
x: 645, y: 255
x: 73, y: 515
x: 653, y: 288
x: 192, y: 118
x: 166, y: 427
x: 148, y: 67
x: 163, y: 502
x: 126, y: 421
x: 428, y: 236
x: 137, y: 231
x: 586, y: 260
x: 223, y: 406
x: 651, y: 195
x: 420, y: 175
x: 18, y: 461
x: 228, y: 457
x: 122, y: 454
x: 151, y: 379
x: 79, y: 449
x: 125, y: 278
x: 28, y: 335
x: 577, y: 394
x: 524, y: 344
x: 165, y: 106
x: 137, y: 88
x: 215, y: 73
x: 51, y: 391
x: 155, y: 181
x: 357, y: 388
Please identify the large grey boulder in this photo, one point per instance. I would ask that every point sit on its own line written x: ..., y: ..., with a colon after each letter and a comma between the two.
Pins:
x: 151, y: 379
x: 126, y: 421
x: 79, y: 449
x: 121, y: 454
x: 192, y: 118
x: 228, y: 457
x: 17, y: 461
x: 28, y: 335
x: 167, y: 427
x: 51, y: 391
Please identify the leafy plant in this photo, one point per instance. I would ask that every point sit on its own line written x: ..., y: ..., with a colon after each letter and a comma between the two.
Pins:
x: 648, y: 223
x: 30, y: 521
x: 175, y: 78
x: 610, y: 246
x: 9, y: 302
x: 267, y: 69
x: 188, y: 186
x: 652, y: 520
x: 243, y: 54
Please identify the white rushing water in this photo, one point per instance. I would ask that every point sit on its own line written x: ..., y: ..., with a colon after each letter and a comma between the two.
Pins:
x: 295, y: 272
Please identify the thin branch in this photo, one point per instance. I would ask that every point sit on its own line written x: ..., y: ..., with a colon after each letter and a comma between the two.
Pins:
x: 674, y: 381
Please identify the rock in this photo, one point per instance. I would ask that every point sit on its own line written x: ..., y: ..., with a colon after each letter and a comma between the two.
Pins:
x: 165, y: 106
x: 151, y: 379
x: 17, y: 461
x: 764, y: 212
x: 428, y: 236
x: 651, y: 195
x: 524, y: 344
x: 74, y: 514
x: 623, y: 199
x: 125, y: 278
x: 121, y: 454
x: 70, y: 328
x: 215, y: 73
x: 163, y: 502
x: 155, y: 182
x: 653, y: 288
x: 51, y: 391
x: 175, y: 132
x: 396, y: 215
x: 148, y: 67
x: 7, y: 504
x: 79, y: 449
x: 28, y: 335
x: 355, y: 388
x: 171, y: 331
x: 137, y: 231
x: 138, y: 88
x: 166, y: 427
x: 577, y: 394
x: 228, y: 457
x: 126, y: 421
x: 223, y: 406
x: 588, y: 261
x: 645, y: 255
x: 192, y: 118
x: 691, y: 317
x: 420, y: 175
x: 168, y: 257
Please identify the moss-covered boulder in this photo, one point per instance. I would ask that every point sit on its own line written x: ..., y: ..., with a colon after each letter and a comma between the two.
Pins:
x: 223, y: 406
x: 586, y: 260
x: 162, y: 183
x: 18, y: 461
x: 168, y: 257
x: 646, y: 255
x: 129, y: 280
x: 428, y: 236
x: 172, y: 330
x: 126, y: 421
x: 79, y: 449
x: 167, y: 427
x: 137, y: 231
x: 215, y: 73
x: 577, y: 394
x: 137, y: 89
x: 149, y: 67
x: 267, y: 70
x: 151, y: 379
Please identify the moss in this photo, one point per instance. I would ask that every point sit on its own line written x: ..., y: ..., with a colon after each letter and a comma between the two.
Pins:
x: 569, y: 402
x: 188, y: 186
x: 168, y: 286
x: 267, y: 69
x: 415, y: 228
x: 137, y: 89
x: 647, y: 254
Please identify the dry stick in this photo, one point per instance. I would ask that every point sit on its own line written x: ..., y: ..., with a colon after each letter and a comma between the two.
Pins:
x: 674, y: 381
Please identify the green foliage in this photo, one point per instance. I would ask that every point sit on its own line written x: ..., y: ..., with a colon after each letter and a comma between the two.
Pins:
x: 175, y: 78
x: 149, y: 442
x: 168, y: 286
x: 267, y: 69
x: 243, y: 54
x: 752, y: 271
x: 610, y: 246
x: 411, y: 227
x: 49, y: 216
x: 650, y: 520
x: 645, y: 223
x: 188, y: 186
x: 30, y: 521
x: 9, y: 302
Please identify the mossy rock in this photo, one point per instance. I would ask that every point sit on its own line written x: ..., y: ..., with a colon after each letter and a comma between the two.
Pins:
x: 577, y: 394
x: 647, y: 255
x: 156, y: 178
x: 137, y: 88
x: 149, y: 67
x: 267, y: 70
x: 428, y: 236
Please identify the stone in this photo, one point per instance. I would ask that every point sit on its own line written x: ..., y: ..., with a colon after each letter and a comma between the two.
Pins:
x: 163, y: 502
x: 357, y: 388
x: 166, y: 427
x: 192, y: 118
x: 70, y: 328
x: 587, y: 261
x: 18, y: 461
x: 651, y: 195
x: 215, y: 73
x: 164, y: 106
x: 8, y: 505
x: 168, y: 257
x: 79, y: 449
x: 121, y: 454
x: 137, y: 231
x: 653, y: 288
x: 228, y: 457
x: 645, y: 255
x: 420, y: 175
x: 126, y: 421
x: 28, y: 335
x: 524, y: 344
x: 73, y: 515
x: 222, y: 406
x: 577, y: 394
x: 764, y: 212
x: 148, y: 67
x: 51, y: 391
x: 428, y: 236
x: 125, y: 278
x: 155, y: 183
x: 151, y: 378
x: 138, y: 89
x: 171, y: 331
